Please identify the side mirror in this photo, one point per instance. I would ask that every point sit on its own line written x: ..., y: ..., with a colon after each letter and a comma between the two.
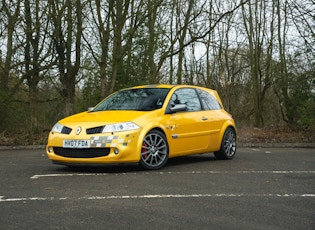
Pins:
x: 178, y: 108
x: 90, y: 109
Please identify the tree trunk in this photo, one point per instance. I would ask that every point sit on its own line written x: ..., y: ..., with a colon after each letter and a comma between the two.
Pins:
x: 68, y: 65
x: 254, y: 63
x: 182, y: 40
x: 119, y: 17
x: 283, y: 69
x: 152, y: 8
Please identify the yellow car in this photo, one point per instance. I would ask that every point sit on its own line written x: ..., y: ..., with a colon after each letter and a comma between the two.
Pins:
x: 146, y: 124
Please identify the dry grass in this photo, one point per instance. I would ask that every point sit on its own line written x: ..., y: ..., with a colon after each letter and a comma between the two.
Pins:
x: 274, y: 135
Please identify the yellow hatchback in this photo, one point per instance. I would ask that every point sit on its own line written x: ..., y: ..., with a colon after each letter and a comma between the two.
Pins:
x: 146, y: 124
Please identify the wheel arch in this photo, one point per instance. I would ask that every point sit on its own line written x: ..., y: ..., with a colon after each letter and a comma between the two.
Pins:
x: 158, y: 129
x: 227, y: 124
x: 228, y: 144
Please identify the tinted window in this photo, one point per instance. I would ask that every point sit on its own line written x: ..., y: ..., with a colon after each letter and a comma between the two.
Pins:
x: 188, y: 97
x: 209, y: 102
x: 144, y: 99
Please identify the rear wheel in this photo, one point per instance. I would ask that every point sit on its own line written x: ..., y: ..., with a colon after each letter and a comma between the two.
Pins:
x: 154, y: 150
x: 228, y: 145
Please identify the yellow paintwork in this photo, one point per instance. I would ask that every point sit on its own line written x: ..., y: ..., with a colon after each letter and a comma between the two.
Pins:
x: 186, y: 132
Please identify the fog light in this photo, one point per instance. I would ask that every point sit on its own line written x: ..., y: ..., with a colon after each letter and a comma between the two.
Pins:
x: 116, y: 151
x: 50, y: 149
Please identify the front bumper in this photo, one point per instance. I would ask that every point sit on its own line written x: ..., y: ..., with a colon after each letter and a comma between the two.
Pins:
x: 120, y: 147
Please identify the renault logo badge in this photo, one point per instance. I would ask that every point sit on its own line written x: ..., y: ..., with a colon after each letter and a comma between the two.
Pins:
x: 78, y: 130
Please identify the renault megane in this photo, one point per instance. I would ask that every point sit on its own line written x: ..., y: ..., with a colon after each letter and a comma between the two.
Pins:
x: 146, y: 124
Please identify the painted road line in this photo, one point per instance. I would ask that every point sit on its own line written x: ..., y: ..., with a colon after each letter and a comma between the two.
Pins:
x: 154, y: 196
x: 67, y: 175
x: 168, y: 173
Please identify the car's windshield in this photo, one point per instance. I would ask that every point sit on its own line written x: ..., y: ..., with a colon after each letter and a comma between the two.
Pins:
x: 141, y: 99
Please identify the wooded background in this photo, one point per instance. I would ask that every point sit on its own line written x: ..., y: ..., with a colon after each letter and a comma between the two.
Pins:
x: 58, y: 57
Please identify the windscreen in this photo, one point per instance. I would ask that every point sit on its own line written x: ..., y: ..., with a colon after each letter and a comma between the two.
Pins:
x: 140, y: 99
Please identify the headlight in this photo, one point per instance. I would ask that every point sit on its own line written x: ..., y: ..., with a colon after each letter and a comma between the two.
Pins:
x: 125, y: 126
x: 57, y: 128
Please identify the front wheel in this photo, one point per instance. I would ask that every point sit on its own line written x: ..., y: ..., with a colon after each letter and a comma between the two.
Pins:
x: 154, y: 150
x: 228, y: 145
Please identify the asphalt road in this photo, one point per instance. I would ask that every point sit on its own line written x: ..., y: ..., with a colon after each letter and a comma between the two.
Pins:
x: 264, y: 188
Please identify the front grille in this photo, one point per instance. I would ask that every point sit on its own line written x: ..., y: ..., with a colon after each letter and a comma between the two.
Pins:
x: 94, y: 130
x: 66, y: 130
x: 81, y: 153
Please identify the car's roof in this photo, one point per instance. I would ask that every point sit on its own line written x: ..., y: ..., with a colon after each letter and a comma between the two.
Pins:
x: 168, y: 86
x: 155, y: 86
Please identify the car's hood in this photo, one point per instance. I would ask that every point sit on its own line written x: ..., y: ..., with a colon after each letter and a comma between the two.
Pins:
x: 103, y: 117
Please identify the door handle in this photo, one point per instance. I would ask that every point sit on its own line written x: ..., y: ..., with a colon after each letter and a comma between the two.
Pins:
x: 204, y: 118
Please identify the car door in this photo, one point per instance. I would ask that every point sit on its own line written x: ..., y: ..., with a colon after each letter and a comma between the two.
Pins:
x: 213, y: 116
x: 186, y: 128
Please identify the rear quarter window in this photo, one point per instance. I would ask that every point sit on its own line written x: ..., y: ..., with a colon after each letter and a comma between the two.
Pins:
x: 209, y: 102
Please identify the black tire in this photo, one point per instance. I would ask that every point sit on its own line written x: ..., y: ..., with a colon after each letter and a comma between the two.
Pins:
x: 154, y: 150
x: 228, y: 145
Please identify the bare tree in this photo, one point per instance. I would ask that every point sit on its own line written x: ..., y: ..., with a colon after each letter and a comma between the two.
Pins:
x: 119, y: 17
x: 254, y: 14
x: 100, y: 46
x: 67, y: 33
x: 36, y: 53
x: 182, y: 37
x: 10, y: 17
x: 153, y: 6
x: 100, y: 31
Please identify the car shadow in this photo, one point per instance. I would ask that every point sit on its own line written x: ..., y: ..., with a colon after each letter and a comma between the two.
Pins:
x: 191, y: 159
x: 135, y: 167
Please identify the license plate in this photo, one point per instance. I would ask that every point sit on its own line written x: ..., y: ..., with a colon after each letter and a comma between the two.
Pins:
x: 80, y: 144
